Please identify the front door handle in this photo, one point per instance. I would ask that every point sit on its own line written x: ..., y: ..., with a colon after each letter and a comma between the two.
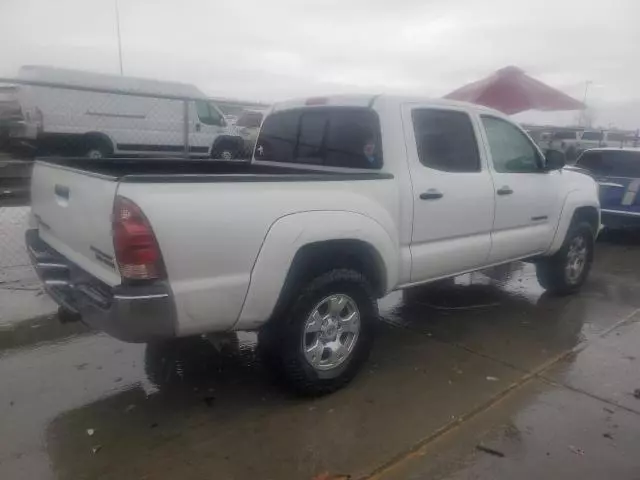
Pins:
x: 198, y: 127
x: 506, y: 190
x: 431, y: 194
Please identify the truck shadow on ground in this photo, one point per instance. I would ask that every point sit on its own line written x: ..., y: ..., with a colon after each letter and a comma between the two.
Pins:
x: 436, y: 349
x: 620, y: 237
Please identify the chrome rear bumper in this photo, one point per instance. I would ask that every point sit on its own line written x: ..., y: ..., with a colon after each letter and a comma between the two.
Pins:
x: 132, y: 313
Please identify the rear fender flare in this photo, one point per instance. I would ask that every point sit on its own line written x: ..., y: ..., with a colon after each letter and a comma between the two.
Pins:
x: 288, y: 235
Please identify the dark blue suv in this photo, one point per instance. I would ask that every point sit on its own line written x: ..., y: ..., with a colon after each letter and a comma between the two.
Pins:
x: 617, y: 171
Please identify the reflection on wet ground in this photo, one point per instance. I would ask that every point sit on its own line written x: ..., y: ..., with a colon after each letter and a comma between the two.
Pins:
x: 77, y: 404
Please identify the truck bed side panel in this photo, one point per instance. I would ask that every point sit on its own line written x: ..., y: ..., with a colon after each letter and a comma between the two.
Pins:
x: 210, y: 234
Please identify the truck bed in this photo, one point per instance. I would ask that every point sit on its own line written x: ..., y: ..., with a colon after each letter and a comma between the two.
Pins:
x: 184, y: 170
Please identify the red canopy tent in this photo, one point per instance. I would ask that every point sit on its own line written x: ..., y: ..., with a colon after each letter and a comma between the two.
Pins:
x: 511, y: 91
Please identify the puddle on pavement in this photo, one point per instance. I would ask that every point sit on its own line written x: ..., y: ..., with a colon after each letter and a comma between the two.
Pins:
x: 60, y: 380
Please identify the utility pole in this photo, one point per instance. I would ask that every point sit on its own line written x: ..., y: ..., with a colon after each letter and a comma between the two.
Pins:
x: 119, y: 38
x: 584, y: 101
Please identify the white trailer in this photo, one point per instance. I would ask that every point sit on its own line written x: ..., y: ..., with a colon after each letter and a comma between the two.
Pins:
x: 89, y: 114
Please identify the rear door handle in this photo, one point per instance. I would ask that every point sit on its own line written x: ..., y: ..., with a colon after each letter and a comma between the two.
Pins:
x: 506, y: 190
x: 431, y: 194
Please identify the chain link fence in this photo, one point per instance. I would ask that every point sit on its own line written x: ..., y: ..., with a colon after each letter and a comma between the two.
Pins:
x: 15, y: 268
x: 49, y: 111
x: 56, y: 112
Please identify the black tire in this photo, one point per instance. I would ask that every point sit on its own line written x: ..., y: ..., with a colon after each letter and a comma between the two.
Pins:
x: 281, y: 340
x: 97, y: 148
x: 190, y: 360
x: 67, y: 316
x: 552, y: 273
x: 225, y: 150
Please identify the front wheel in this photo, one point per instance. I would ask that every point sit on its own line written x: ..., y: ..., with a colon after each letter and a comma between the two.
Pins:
x: 225, y: 150
x: 566, y: 271
x: 325, y: 336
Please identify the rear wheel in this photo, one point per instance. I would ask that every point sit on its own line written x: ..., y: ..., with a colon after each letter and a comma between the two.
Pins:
x: 325, y: 336
x: 97, y: 148
x: 566, y: 271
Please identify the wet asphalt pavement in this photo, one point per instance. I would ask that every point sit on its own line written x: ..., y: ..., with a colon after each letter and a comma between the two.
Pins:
x: 487, y: 377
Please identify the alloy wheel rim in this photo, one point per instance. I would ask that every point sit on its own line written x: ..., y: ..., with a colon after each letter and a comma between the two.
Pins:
x: 331, y: 332
x: 576, y: 259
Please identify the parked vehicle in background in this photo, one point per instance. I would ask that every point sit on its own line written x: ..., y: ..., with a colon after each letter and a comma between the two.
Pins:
x: 540, y: 137
x: 248, y: 125
x: 347, y: 198
x: 81, y: 122
x: 9, y: 113
x: 617, y: 172
x: 620, y: 139
x: 566, y: 141
x: 231, y: 119
x: 574, y: 142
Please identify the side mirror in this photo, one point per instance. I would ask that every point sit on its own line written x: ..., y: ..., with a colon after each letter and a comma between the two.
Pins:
x: 554, y: 160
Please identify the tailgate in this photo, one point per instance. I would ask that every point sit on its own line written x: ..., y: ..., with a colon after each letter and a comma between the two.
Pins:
x: 73, y: 213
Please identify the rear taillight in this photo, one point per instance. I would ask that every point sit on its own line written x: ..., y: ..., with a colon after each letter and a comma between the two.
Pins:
x: 135, y: 244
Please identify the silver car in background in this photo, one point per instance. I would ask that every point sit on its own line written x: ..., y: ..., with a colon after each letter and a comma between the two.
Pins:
x: 247, y: 126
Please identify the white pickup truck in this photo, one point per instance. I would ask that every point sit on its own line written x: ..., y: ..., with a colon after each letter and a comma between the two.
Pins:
x: 347, y: 199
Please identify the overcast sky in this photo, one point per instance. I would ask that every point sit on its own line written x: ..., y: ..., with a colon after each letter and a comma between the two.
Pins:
x: 274, y: 49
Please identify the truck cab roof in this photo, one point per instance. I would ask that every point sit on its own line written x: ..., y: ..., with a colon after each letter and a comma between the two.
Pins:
x: 372, y: 100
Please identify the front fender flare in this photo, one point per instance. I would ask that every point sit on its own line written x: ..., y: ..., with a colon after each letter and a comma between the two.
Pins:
x: 574, y: 200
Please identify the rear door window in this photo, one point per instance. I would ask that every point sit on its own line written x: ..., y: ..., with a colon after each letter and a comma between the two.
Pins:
x: 336, y: 137
x: 445, y: 140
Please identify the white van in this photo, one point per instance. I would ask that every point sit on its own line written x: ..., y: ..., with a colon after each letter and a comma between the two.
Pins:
x: 82, y: 122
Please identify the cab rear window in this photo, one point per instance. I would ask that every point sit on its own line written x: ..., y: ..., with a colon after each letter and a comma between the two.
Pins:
x: 335, y: 136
